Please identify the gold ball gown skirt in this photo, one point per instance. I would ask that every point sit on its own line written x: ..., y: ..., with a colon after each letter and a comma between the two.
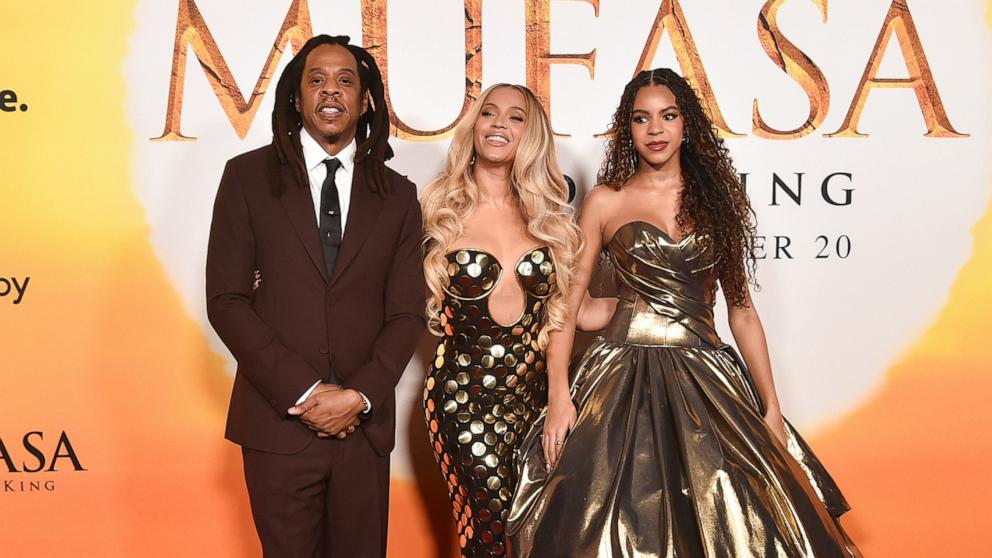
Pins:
x: 670, y: 455
x: 484, y: 390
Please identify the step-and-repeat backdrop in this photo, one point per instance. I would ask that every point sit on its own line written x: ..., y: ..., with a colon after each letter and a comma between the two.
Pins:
x: 861, y: 128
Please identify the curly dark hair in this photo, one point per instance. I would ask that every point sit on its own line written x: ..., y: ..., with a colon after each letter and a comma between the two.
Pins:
x: 714, y: 201
x: 372, y: 135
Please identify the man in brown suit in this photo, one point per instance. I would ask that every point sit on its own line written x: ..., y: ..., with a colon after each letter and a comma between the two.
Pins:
x: 315, y: 283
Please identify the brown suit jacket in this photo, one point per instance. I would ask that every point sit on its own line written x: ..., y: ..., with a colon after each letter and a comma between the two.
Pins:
x: 364, y: 321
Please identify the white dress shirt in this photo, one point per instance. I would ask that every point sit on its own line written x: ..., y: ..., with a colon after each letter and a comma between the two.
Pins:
x: 314, y: 157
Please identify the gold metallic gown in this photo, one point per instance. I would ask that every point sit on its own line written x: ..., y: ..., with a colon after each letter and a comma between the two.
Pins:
x: 484, y: 391
x: 670, y: 455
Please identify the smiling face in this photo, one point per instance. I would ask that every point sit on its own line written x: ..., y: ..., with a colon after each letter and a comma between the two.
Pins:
x: 656, y: 125
x: 331, y: 98
x: 500, y: 126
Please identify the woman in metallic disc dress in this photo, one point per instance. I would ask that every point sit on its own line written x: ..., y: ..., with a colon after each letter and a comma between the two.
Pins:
x: 500, y: 243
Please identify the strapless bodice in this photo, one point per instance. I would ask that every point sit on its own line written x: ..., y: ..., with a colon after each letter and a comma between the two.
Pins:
x: 666, y: 288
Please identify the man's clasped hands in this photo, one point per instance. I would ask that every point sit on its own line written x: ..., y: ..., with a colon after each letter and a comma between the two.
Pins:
x: 331, y: 411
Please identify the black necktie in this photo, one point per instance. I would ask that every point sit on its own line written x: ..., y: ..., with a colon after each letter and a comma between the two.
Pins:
x: 330, y: 216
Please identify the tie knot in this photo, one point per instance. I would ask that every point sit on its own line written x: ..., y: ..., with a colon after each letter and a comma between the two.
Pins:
x: 332, y: 164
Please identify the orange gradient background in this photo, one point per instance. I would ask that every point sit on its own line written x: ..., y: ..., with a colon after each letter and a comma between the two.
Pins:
x: 102, y: 348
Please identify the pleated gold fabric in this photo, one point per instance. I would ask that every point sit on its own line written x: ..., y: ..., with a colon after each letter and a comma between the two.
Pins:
x: 670, y: 455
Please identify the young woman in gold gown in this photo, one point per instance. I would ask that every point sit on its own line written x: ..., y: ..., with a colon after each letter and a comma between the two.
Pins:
x: 675, y: 446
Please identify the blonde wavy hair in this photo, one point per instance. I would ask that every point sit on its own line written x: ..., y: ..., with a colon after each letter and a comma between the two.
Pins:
x: 537, y: 185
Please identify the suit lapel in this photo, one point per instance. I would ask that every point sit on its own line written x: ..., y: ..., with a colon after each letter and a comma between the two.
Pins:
x: 299, y: 206
x: 362, y: 216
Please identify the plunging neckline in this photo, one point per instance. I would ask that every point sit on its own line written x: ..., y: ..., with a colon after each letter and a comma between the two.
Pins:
x: 499, y: 276
x: 680, y: 242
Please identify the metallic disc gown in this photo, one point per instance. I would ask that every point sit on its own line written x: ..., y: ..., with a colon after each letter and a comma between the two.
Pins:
x: 485, y: 388
x: 670, y: 455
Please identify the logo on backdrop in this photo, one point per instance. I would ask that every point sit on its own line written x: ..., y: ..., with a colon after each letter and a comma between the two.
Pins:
x: 35, y: 460
x: 8, y: 102
x: 192, y: 31
x: 13, y: 289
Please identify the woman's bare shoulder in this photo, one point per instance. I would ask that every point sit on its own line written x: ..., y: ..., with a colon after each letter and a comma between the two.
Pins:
x: 601, y: 197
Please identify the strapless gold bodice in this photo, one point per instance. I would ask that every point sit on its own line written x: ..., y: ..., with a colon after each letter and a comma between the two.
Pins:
x: 666, y: 289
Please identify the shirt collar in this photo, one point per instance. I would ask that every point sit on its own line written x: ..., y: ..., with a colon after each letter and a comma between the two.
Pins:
x: 314, y: 154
